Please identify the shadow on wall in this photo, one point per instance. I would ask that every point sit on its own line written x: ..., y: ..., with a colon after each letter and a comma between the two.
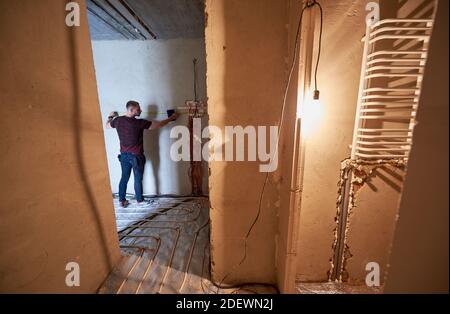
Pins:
x: 391, y: 177
x: 159, y: 75
x: 377, y: 204
x: 151, y: 148
x: 246, y: 76
x: 419, y: 260
x: 178, y: 77
x: 77, y: 129
x: 414, y: 9
x: 167, y: 175
x: 178, y: 68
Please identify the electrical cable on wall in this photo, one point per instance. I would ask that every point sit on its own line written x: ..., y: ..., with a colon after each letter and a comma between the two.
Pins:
x: 316, y: 90
x: 309, y: 4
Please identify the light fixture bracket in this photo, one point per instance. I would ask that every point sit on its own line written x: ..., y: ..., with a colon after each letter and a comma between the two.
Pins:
x: 316, y: 95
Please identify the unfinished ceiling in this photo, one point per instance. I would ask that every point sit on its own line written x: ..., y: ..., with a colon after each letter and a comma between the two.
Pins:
x: 145, y: 19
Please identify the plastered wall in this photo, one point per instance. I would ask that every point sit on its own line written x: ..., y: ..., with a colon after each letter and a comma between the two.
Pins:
x: 419, y: 259
x: 159, y: 75
x: 328, y: 144
x: 56, y: 200
x: 247, y: 49
x: 372, y: 223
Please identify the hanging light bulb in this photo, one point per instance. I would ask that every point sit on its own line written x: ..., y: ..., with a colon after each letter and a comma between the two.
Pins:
x: 311, y: 114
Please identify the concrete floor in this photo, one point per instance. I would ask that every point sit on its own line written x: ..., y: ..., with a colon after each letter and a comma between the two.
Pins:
x: 335, y: 288
x: 165, y: 249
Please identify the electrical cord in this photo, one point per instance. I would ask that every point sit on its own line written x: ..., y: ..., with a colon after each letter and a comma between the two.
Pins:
x: 320, y: 42
x: 237, y: 287
x: 308, y: 5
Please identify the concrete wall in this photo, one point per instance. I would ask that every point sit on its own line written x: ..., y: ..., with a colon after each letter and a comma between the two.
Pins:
x: 419, y: 261
x: 159, y: 75
x: 56, y: 199
x: 247, y: 49
x: 372, y: 223
x: 328, y: 145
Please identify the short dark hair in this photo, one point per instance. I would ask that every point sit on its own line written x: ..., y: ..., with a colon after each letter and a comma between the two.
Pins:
x: 132, y: 104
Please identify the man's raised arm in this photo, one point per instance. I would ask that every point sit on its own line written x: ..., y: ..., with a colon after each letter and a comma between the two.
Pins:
x: 159, y: 124
x: 111, y: 117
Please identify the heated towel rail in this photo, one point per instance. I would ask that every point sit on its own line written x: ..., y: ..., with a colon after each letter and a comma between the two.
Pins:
x: 394, y: 57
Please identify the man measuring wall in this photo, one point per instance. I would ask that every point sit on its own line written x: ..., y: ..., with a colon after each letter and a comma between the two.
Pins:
x: 131, y: 136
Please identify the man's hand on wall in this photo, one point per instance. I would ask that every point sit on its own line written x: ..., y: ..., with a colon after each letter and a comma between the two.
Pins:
x: 174, y: 116
x: 113, y: 115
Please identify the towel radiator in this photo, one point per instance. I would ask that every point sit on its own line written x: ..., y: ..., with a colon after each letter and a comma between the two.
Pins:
x: 395, y: 54
x: 394, y: 58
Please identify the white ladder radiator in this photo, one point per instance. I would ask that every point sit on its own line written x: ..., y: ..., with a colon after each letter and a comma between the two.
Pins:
x: 394, y: 58
x: 395, y: 54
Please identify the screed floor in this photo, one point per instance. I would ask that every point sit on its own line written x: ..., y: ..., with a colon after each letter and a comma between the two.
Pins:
x: 335, y: 288
x: 165, y: 249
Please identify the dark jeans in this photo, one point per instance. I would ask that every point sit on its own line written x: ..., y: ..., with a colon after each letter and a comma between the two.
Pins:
x: 130, y: 161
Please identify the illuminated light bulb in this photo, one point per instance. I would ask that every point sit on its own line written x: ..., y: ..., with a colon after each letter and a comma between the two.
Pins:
x: 311, y: 115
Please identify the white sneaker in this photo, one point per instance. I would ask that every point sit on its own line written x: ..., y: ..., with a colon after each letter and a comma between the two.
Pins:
x: 143, y: 204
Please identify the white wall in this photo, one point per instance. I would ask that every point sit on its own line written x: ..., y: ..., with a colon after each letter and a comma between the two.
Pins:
x: 159, y: 75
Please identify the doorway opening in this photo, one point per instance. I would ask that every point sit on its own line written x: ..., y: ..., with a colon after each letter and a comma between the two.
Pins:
x: 153, y: 53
